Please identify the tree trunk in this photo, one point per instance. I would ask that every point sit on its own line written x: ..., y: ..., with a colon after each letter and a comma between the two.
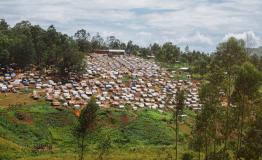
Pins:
x: 82, y: 148
x: 199, y: 156
x: 206, y: 144
x: 176, y: 130
x: 227, y: 112
x: 215, y: 132
x: 100, y: 157
x: 238, y: 127
x: 214, y: 151
x: 242, y: 123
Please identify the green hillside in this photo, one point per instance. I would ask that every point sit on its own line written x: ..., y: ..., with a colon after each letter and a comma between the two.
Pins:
x: 42, y: 132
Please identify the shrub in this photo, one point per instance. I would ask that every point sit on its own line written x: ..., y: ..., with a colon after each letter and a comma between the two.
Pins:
x: 187, y: 156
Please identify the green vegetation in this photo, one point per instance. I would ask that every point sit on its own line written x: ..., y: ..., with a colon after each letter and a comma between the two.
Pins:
x: 37, y: 131
x: 85, y: 125
x: 220, y: 131
x: 25, y: 45
x: 227, y: 127
x: 126, y: 78
x: 35, y: 128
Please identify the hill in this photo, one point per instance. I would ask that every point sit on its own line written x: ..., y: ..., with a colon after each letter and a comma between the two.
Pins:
x: 42, y: 132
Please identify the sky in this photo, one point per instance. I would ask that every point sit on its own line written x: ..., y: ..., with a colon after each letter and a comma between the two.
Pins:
x: 200, y: 24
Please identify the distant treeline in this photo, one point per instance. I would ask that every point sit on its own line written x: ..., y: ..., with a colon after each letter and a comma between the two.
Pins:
x: 26, y: 44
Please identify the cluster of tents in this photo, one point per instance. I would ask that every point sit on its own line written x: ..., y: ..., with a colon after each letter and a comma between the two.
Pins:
x: 113, y: 80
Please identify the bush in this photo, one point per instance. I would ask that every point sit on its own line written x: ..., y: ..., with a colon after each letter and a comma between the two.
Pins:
x: 149, y: 131
x: 218, y: 156
x: 19, y: 116
x: 6, y: 157
x: 187, y: 156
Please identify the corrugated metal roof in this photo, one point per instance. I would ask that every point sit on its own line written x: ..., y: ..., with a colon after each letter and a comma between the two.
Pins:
x: 111, y: 50
x: 116, y: 50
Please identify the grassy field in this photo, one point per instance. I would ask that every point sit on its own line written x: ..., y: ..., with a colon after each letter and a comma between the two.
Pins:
x: 9, y: 99
x: 39, y: 131
x: 175, y: 67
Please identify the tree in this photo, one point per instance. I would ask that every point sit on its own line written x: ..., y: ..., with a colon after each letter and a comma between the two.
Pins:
x: 52, y: 41
x: 228, y: 56
x: 209, y: 118
x: 155, y: 49
x: 3, y: 25
x: 39, y: 45
x: 113, y: 42
x: 257, y: 61
x: 86, y: 124
x: 207, y: 129
x: 97, y: 42
x: 4, y: 57
x: 201, y: 67
x: 180, y: 98
x: 248, y: 81
x: 69, y: 59
x: 122, y: 46
x: 197, y: 142
x: 21, y: 49
x: 252, y: 148
x: 187, y: 49
x: 144, y: 52
x: 168, y: 53
x: 129, y: 47
x: 82, y: 39
x: 5, y: 42
x: 26, y: 45
x: 220, y: 155
x: 132, y: 48
x: 247, y: 85
x: 187, y: 156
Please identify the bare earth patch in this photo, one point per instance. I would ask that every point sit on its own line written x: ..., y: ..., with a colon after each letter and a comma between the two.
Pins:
x: 10, y: 99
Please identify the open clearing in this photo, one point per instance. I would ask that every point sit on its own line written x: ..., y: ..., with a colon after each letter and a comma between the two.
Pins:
x: 10, y: 99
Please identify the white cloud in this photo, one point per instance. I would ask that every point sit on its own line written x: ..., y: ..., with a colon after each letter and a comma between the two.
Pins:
x: 249, y: 37
x: 144, y: 33
x: 201, y: 23
x: 195, y: 39
x: 135, y: 26
x: 128, y: 4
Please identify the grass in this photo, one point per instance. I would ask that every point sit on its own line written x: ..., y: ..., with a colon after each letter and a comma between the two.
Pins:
x: 29, y: 130
x: 10, y: 99
x: 154, y: 115
x: 182, y: 75
x: 10, y: 149
x: 147, y: 153
x: 174, y: 66
x: 126, y: 78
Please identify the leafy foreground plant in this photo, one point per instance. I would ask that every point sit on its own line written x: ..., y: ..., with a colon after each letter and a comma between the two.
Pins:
x: 85, y: 125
